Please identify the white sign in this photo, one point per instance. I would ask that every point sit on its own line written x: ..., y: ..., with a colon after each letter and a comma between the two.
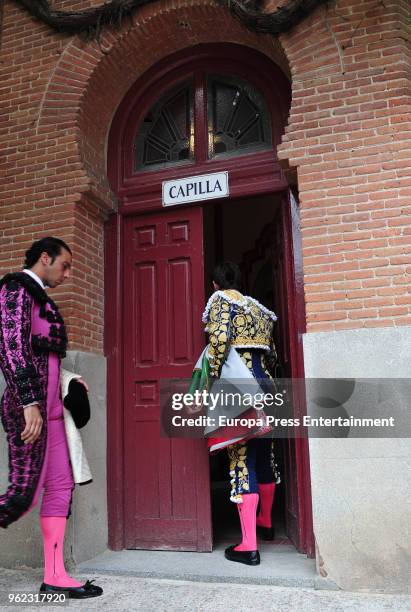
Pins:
x: 194, y: 188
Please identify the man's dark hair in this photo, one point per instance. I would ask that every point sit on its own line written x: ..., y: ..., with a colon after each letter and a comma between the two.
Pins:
x: 227, y: 275
x: 51, y: 246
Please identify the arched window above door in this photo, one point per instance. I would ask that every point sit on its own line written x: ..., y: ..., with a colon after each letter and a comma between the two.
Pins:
x: 165, y: 136
x: 238, y: 118
x: 236, y: 122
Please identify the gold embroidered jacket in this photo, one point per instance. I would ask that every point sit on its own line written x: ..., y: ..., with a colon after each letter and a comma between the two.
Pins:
x: 237, y: 320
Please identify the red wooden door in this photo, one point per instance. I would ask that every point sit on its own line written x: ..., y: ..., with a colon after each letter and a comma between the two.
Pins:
x: 288, y: 285
x: 167, y: 496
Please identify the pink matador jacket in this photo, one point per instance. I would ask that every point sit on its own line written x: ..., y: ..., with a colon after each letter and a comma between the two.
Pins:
x: 24, y: 362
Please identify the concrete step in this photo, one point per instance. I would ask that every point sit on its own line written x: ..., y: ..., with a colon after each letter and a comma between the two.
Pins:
x: 281, y: 565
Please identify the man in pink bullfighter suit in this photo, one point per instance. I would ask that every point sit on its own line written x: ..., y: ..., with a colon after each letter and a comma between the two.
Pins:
x: 32, y: 343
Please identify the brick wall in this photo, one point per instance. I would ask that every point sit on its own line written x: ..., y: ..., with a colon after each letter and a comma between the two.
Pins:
x: 41, y: 173
x: 347, y: 136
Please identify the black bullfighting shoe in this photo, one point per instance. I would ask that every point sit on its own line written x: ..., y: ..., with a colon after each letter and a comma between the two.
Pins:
x: 249, y: 557
x: 82, y: 592
x: 265, y: 533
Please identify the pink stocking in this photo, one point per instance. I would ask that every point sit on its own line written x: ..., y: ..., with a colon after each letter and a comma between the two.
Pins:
x: 266, y: 492
x: 247, y: 511
x: 53, y: 528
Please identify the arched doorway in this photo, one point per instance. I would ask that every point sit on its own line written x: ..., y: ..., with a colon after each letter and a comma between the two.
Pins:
x: 221, y: 109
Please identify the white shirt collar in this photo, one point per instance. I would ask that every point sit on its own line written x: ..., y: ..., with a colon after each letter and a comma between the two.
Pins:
x: 36, y: 278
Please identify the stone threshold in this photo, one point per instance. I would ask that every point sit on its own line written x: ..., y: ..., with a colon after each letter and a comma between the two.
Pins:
x: 281, y: 565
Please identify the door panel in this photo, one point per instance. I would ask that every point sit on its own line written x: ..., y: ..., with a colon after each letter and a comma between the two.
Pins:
x: 283, y: 306
x: 167, y: 493
x: 288, y: 277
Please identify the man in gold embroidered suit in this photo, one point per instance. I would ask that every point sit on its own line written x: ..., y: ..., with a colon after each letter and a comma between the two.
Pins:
x: 239, y: 322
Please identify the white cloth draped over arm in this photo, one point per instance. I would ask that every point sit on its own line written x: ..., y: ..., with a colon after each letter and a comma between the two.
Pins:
x: 81, y: 469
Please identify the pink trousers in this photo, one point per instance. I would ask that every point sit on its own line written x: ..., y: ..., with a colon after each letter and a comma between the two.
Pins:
x: 56, y: 475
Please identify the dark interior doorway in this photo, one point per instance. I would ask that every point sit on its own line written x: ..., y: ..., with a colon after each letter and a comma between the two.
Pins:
x: 243, y: 230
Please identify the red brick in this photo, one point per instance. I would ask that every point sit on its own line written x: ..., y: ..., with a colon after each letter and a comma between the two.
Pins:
x: 348, y: 135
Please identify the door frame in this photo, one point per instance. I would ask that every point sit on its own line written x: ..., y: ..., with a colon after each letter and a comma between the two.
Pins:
x: 114, y: 249
x: 250, y: 175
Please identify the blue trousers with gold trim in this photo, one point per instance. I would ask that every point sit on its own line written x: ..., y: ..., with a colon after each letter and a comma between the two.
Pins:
x: 252, y: 461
